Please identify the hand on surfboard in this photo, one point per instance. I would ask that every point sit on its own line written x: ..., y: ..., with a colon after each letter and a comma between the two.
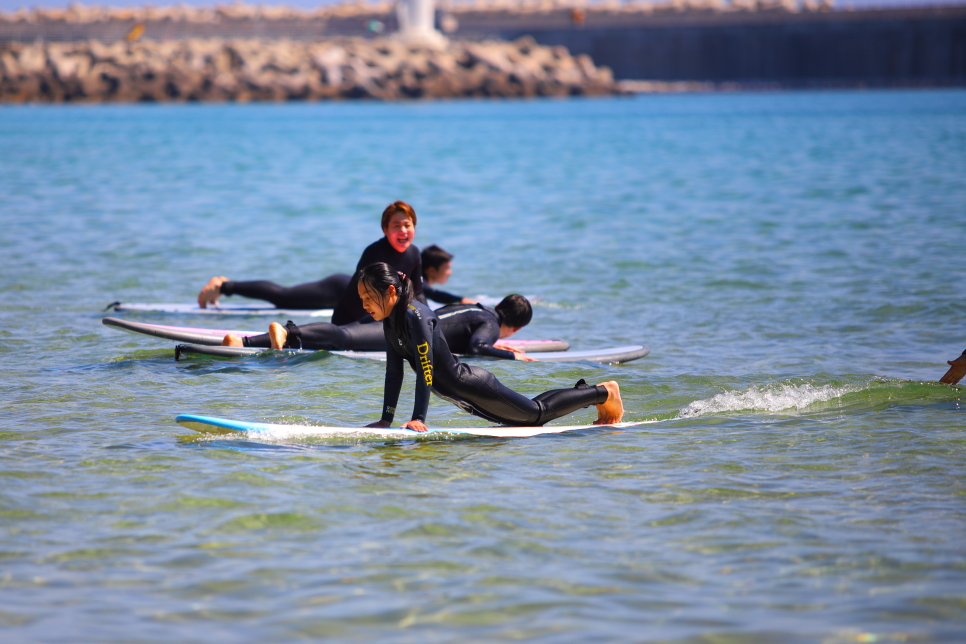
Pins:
x: 416, y: 425
x: 518, y: 354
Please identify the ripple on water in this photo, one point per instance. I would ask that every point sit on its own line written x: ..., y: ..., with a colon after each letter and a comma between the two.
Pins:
x: 788, y: 257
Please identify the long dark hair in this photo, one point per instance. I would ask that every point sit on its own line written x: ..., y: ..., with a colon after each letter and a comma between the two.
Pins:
x: 377, y: 278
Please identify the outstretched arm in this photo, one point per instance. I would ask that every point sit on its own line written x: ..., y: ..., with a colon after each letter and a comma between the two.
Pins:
x: 483, y: 340
x: 442, y: 297
x: 421, y: 336
x: 393, y: 384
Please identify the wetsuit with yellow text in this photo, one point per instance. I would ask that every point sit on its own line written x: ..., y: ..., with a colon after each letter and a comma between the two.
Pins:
x: 419, y: 342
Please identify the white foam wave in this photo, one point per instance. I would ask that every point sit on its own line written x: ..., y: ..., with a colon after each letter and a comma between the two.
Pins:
x: 771, y: 398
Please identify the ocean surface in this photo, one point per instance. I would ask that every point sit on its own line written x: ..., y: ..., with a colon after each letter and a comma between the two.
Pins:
x: 795, y: 261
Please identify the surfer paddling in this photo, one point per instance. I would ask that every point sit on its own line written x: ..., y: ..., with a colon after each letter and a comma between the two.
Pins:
x: 957, y: 369
x: 395, y: 249
x: 412, y: 333
x: 336, y: 291
x: 472, y: 329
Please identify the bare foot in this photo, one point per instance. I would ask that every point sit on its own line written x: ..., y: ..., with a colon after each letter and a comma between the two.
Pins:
x: 611, y: 410
x: 957, y: 370
x: 232, y: 341
x: 209, y: 294
x: 278, y: 334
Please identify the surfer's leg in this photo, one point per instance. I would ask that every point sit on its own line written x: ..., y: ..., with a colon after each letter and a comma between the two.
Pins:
x: 322, y: 336
x: 957, y: 369
x: 482, y: 394
x: 278, y: 335
x: 316, y: 336
x: 209, y: 294
x: 232, y: 340
x: 365, y: 335
x: 276, y: 338
x: 257, y: 290
x: 324, y: 294
x: 605, y: 396
x: 611, y: 410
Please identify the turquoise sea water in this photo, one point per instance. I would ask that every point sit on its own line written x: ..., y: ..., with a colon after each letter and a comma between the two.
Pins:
x: 794, y: 260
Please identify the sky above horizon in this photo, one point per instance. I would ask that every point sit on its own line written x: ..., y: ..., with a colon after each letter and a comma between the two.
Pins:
x: 13, y: 5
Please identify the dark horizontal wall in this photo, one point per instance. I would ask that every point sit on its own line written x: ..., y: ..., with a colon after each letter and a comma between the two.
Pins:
x: 115, y: 30
x: 888, y: 51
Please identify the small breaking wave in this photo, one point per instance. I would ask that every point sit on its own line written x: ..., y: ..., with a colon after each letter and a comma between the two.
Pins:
x: 776, y: 397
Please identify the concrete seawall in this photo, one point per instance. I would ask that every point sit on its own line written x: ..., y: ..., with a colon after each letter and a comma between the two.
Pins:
x: 880, y: 48
x: 772, y: 42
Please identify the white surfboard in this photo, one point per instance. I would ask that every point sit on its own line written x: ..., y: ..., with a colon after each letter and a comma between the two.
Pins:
x: 273, y: 431
x: 243, y: 308
x: 201, y: 336
x: 221, y: 309
x: 609, y: 355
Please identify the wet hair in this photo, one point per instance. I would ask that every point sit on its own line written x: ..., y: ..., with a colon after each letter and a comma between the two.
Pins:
x: 515, y: 311
x: 434, y: 257
x: 378, y: 277
x: 395, y: 208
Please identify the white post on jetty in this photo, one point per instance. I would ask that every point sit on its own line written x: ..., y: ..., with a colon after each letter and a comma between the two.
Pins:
x: 416, y: 18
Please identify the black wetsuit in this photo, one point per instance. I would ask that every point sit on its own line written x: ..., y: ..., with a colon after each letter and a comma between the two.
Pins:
x: 472, y: 329
x: 364, y: 334
x: 472, y: 389
x: 324, y: 294
x: 409, y: 262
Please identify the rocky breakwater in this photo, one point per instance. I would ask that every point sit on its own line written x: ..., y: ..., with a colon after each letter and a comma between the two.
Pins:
x: 279, y: 70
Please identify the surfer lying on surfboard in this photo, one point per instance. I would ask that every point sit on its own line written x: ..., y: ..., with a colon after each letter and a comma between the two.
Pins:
x: 413, y: 334
x: 336, y: 291
x: 471, y: 329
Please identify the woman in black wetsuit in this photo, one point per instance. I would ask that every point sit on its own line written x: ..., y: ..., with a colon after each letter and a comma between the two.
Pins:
x: 395, y: 249
x: 336, y: 291
x: 413, y: 334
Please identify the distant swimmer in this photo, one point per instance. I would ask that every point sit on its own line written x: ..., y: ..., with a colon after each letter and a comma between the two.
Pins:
x: 471, y: 329
x: 437, y: 268
x: 324, y: 294
x: 413, y: 334
x: 957, y: 369
x: 396, y: 249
